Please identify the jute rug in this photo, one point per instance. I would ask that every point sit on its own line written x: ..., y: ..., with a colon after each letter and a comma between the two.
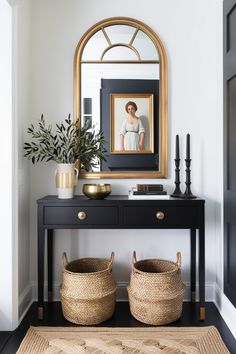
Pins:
x: 151, y: 340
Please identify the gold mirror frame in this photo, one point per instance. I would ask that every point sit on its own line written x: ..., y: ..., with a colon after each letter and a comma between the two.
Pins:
x: 162, y: 172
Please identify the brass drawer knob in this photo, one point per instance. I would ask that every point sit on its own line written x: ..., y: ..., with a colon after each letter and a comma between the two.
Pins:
x: 82, y: 215
x: 160, y: 215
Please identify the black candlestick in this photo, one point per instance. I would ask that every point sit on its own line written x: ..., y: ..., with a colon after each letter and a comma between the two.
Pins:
x: 177, y: 147
x: 177, y: 192
x: 188, y: 194
x: 188, y: 146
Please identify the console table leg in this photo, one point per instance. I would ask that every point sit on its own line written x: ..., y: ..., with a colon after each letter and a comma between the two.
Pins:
x: 193, y: 264
x: 41, y: 244
x: 202, y: 314
x: 50, y: 263
x: 40, y: 313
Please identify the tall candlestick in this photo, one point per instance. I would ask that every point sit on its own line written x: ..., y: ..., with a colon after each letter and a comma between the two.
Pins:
x: 177, y: 147
x: 188, y: 194
x: 188, y: 147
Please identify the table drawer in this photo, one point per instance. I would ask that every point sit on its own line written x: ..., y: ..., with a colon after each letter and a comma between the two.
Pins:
x: 161, y: 216
x: 80, y: 215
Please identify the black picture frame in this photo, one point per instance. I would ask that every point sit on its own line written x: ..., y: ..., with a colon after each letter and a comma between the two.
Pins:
x: 128, y: 162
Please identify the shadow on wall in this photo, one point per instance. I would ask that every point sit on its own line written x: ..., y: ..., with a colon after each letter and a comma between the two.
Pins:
x: 145, y: 122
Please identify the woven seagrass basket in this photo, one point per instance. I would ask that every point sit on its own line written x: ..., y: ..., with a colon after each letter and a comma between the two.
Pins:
x: 156, y: 290
x: 88, y: 291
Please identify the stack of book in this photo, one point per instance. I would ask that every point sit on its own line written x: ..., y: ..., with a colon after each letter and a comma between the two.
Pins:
x: 148, y: 191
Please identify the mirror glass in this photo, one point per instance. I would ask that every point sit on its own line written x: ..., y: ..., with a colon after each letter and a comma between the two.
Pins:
x: 120, y: 87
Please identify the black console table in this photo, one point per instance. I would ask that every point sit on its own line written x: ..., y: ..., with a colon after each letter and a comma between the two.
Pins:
x: 118, y: 212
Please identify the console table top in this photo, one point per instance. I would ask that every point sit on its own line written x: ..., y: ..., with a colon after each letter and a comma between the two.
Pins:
x: 116, y: 198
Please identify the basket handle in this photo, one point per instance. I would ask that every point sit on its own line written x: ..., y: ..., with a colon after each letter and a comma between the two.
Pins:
x: 134, y: 259
x: 111, y: 260
x: 178, y: 259
x: 64, y: 260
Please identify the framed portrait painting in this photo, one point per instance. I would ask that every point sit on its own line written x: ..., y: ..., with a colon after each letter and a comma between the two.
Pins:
x: 131, y: 123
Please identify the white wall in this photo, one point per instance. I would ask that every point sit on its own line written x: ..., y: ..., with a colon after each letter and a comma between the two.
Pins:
x: 22, y: 73
x: 7, y: 239
x: 16, y: 291
x: 191, y: 32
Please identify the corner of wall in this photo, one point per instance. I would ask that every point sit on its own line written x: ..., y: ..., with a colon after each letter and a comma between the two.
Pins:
x: 226, y: 309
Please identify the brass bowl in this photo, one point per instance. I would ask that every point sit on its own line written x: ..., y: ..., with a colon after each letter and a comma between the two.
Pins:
x: 96, y: 191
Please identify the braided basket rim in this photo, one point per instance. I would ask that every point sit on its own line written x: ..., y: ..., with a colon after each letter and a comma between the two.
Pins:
x: 154, y: 260
x: 88, y: 259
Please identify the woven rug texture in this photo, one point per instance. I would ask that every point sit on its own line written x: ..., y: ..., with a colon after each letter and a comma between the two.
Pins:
x: 151, y: 340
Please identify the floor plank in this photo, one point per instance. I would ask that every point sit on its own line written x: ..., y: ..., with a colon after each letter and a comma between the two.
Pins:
x: 122, y: 318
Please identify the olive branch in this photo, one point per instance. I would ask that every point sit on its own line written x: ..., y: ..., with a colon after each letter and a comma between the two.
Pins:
x: 68, y: 144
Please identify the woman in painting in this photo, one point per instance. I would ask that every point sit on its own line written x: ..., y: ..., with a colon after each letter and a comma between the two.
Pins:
x: 132, y: 130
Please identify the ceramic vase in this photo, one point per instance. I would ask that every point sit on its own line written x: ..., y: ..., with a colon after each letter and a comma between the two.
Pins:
x: 66, y: 176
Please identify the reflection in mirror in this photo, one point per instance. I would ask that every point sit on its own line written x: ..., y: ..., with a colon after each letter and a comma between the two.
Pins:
x: 124, y: 57
x: 92, y: 76
x: 120, y: 33
x: 145, y: 47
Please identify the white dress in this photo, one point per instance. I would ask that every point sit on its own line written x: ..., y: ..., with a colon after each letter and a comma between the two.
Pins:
x: 131, y: 134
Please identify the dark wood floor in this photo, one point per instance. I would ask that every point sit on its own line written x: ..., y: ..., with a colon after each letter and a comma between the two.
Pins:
x: 10, y: 341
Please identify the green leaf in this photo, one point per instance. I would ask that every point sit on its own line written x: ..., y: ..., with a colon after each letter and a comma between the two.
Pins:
x: 67, y: 144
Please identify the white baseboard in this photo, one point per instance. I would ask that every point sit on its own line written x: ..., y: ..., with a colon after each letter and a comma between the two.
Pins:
x: 25, y: 301
x: 226, y: 309
x: 122, y: 292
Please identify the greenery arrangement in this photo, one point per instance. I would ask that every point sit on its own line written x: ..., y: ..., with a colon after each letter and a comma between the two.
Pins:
x: 70, y: 143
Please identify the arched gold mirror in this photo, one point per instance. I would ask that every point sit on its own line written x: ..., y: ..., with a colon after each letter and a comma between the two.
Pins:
x: 120, y: 85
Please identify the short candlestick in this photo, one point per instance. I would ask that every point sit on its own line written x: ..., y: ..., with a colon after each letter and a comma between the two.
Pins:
x: 177, y: 192
x: 177, y: 147
x: 188, y: 146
